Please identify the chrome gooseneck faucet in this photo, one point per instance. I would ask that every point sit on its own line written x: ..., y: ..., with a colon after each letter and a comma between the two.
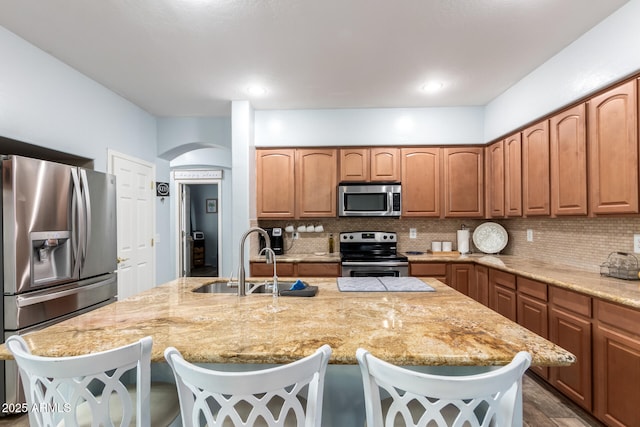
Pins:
x: 270, y: 255
x: 242, y: 291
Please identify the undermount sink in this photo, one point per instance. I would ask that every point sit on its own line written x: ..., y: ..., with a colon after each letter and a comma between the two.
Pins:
x: 224, y: 287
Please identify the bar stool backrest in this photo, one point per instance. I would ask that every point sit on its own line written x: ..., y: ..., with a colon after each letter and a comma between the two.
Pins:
x: 288, y: 395
x: 61, y: 387
x: 420, y: 399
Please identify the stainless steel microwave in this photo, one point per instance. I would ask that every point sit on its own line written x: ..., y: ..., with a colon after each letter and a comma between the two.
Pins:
x: 369, y: 199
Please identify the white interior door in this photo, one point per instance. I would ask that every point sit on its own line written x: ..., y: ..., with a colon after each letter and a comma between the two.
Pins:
x: 187, y: 239
x: 136, y: 223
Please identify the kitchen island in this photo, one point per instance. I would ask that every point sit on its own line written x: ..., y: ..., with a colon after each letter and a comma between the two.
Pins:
x: 434, y: 329
x: 406, y: 328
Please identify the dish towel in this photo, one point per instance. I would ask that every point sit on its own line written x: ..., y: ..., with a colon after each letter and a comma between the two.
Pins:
x: 382, y: 284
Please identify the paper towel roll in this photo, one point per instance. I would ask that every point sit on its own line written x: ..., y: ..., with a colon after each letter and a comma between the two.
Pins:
x: 463, y: 241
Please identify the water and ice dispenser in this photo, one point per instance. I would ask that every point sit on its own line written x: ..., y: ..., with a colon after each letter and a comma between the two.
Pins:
x: 51, y: 255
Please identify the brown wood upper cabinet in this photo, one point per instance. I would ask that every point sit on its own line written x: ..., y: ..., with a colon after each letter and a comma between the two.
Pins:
x: 535, y: 170
x: 316, y: 174
x: 568, y: 156
x: 296, y: 183
x: 495, y: 179
x: 463, y: 182
x: 370, y: 164
x: 613, y: 150
x: 504, y: 175
x: 275, y: 196
x: 513, y: 175
x: 421, y: 175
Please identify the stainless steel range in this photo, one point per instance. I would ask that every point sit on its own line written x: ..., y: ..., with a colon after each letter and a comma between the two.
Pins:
x: 372, y: 254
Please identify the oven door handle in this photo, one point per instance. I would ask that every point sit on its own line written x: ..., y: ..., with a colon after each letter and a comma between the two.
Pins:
x: 25, y: 301
x: 375, y: 264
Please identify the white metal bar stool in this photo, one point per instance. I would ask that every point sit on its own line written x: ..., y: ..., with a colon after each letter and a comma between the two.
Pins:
x: 289, y: 395
x: 417, y: 399
x: 88, y: 390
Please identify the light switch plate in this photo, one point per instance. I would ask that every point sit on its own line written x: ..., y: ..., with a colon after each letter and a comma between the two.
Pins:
x: 413, y: 233
x: 529, y: 235
x: 636, y: 243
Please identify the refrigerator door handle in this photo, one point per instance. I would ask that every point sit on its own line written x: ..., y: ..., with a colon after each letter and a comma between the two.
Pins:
x: 87, y: 212
x: 25, y: 301
x: 77, y: 216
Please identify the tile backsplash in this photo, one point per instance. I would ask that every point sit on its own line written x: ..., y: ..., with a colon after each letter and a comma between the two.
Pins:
x: 579, y: 242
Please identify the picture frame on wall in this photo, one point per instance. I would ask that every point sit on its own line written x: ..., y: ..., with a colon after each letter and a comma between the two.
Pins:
x: 212, y: 205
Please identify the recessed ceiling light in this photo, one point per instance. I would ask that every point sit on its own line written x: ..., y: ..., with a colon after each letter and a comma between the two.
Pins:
x: 256, y: 90
x: 431, y: 87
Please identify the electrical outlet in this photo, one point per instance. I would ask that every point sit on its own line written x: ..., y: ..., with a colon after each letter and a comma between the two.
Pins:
x: 296, y: 235
x: 636, y: 243
x: 413, y: 233
x: 529, y: 235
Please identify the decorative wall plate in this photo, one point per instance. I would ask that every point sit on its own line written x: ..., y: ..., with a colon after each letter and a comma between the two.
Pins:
x: 490, y: 237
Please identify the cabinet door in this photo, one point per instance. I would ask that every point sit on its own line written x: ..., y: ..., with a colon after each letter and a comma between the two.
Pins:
x: 532, y: 312
x: 354, y: 164
x: 535, y: 170
x: 462, y: 277
x: 573, y: 333
x: 463, y: 182
x: 617, y: 364
x: 570, y: 327
x: 502, y: 293
x: 568, y: 143
x: 275, y: 196
x: 316, y: 175
x: 513, y: 175
x: 479, y: 290
x: 613, y: 150
x: 421, y: 182
x: 495, y: 178
x: 385, y: 164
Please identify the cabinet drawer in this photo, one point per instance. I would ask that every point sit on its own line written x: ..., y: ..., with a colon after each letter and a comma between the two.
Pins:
x: 430, y: 269
x: 532, y: 288
x: 572, y: 301
x: 318, y: 269
x: 502, y: 278
x: 623, y: 318
x: 261, y: 269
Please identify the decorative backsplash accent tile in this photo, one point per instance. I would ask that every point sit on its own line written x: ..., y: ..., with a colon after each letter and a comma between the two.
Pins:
x: 579, y: 242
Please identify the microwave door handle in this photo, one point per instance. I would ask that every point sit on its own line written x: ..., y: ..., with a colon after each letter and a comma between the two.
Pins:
x: 77, y: 222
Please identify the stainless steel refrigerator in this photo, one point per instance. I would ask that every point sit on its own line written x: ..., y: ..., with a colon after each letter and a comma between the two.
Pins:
x: 58, y: 254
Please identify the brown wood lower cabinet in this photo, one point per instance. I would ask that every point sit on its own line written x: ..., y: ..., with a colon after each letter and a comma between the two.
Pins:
x: 532, y: 312
x: 437, y: 270
x: 462, y: 277
x: 502, y: 293
x: 298, y: 269
x: 570, y: 327
x: 616, y: 359
x: 479, y: 289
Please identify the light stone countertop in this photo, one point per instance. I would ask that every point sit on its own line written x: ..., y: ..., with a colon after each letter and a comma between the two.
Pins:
x: 405, y: 328
x: 624, y: 292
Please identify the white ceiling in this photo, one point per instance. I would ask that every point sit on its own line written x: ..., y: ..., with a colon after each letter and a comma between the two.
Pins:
x: 192, y: 57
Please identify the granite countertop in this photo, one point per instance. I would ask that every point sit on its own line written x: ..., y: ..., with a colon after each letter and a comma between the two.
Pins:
x: 624, y: 292
x: 406, y: 328
x: 315, y: 257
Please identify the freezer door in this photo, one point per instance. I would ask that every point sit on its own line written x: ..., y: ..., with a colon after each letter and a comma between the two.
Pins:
x: 99, y: 252
x: 39, y: 244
